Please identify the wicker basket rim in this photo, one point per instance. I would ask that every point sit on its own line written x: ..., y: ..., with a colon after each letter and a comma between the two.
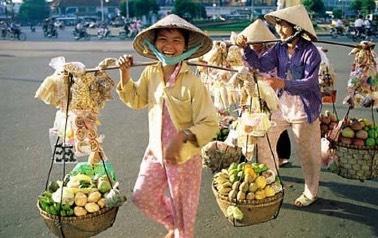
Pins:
x: 75, y: 218
x: 374, y: 148
x: 266, y: 201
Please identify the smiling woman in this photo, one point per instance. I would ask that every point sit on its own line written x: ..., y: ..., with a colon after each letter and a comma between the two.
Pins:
x: 182, y: 118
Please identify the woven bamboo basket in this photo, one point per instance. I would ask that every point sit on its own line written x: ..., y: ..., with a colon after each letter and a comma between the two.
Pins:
x: 357, y: 162
x: 80, y: 227
x: 255, y: 211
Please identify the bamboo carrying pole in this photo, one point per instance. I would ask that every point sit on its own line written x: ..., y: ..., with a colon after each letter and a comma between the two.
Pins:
x: 297, y: 34
x: 138, y: 64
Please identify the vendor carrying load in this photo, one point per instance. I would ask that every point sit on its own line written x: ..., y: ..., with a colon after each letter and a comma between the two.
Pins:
x: 182, y: 119
x: 297, y: 61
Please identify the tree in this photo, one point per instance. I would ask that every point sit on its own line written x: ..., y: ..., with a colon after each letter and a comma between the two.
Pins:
x: 363, y: 6
x: 356, y: 5
x: 315, y: 7
x: 33, y: 10
x: 189, y: 10
x: 368, y: 6
x: 337, y: 13
x: 139, y: 8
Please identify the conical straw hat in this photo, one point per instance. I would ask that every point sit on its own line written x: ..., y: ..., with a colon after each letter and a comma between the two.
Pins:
x: 196, y: 36
x: 258, y: 31
x: 296, y: 15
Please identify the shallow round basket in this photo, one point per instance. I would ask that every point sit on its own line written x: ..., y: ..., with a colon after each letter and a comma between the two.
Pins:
x: 80, y: 227
x: 357, y: 162
x: 254, y: 211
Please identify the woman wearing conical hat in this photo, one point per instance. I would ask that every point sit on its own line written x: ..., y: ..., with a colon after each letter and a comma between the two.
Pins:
x: 259, y: 31
x: 256, y: 32
x: 297, y: 62
x: 182, y: 119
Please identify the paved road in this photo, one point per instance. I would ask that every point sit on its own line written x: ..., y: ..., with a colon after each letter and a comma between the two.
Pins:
x: 66, y: 35
x: 346, y: 208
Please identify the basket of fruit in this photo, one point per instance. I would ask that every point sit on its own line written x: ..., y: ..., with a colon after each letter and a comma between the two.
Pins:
x: 357, y: 150
x: 82, y: 205
x: 248, y: 193
x: 81, y: 226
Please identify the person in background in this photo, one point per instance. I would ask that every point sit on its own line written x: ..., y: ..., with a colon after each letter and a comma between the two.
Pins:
x: 182, y: 119
x: 339, y: 25
x: 45, y: 25
x: 367, y: 26
x: 297, y: 61
x: 15, y: 29
x: 258, y: 31
x: 359, y: 25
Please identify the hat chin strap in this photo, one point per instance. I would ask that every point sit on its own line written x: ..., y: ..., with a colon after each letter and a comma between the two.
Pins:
x: 171, y: 60
x: 298, y: 32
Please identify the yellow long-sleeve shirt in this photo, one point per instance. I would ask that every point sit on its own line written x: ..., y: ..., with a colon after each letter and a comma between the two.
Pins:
x: 188, y: 103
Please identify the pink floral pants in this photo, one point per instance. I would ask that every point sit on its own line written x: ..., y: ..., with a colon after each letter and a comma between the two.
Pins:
x: 176, y: 209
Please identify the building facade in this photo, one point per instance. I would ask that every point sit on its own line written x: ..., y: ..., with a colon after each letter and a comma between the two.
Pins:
x: 94, y: 8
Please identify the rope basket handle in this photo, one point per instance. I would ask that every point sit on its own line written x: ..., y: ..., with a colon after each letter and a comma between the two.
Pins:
x: 270, y: 146
x: 333, y: 137
x: 69, y: 97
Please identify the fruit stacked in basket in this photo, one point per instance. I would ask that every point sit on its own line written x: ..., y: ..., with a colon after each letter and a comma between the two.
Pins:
x: 359, y: 132
x: 86, y: 189
x: 245, y: 188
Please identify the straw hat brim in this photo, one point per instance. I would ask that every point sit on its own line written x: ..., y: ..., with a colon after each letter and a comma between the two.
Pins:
x: 296, y: 15
x: 196, y: 36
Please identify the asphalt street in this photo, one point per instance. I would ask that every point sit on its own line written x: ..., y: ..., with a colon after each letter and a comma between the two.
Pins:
x: 346, y: 208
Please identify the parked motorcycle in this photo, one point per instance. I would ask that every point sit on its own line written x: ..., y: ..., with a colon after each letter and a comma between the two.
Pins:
x: 103, y: 32
x: 13, y: 32
x: 51, y: 32
x: 81, y: 34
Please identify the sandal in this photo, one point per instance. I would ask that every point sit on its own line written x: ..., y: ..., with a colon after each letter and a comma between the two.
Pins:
x: 304, y: 201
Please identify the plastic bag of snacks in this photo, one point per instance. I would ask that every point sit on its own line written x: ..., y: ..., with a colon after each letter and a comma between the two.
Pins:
x: 88, y: 93
x: 363, y: 81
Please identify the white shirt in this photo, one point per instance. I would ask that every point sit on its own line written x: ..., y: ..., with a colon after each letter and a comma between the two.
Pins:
x: 359, y: 22
x: 339, y: 23
x: 367, y: 24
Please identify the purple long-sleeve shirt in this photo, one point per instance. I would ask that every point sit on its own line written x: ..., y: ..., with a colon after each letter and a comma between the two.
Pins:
x: 304, y: 66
